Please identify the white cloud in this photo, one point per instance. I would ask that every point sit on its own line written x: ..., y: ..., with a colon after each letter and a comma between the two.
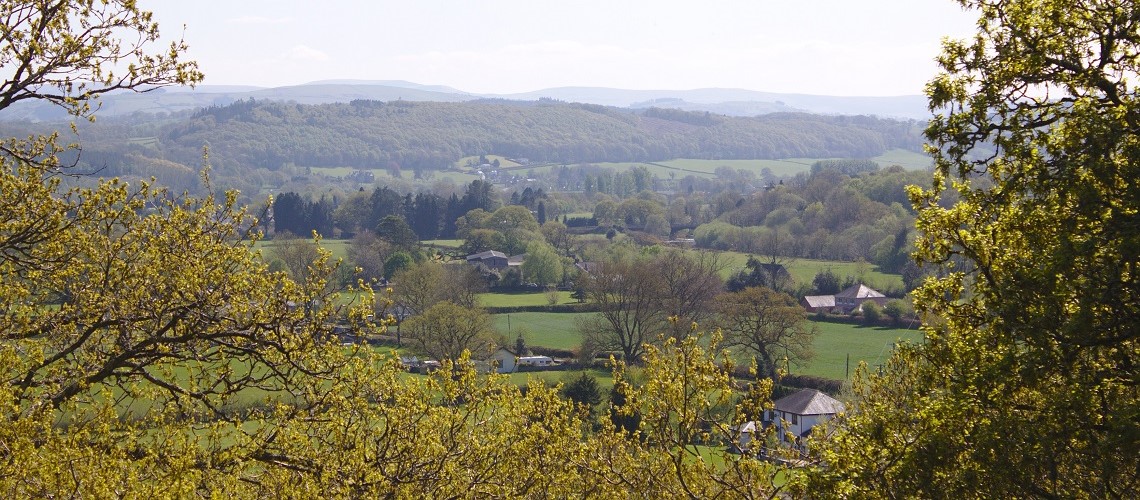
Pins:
x: 304, y: 53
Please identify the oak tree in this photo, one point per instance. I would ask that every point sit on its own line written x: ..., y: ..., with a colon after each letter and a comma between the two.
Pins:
x: 1026, y: 385
x: 445, y: 330
x: 766, y: 324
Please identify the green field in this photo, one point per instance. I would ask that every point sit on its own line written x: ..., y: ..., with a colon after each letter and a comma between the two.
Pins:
x: 833, y: 344
x: 909, y: 160
x: 836, y: 340
x: 443, y: 243
x: 337, y: 171
x: 782, y: 168
x: 503, y: 161
x: 554, y: 330
x: 678, y: 168
x: 803, y: 271
x: 785, y: 167
x: 522, y: 299
x: 552, y: 378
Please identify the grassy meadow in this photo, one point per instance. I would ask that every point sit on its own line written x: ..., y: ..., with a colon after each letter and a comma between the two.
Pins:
x: 784, y: 167
x: 554, y: 330
x: 834, y: 342
x: 803, y: 271
x: 605, y: 378
x: 503, y: 161
x: 443, y: 243
x: 523, y: 299
x: 909, y: 160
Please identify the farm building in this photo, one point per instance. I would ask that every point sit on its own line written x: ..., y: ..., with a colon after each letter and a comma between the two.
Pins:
x: 852, y: 298
x: 798, y: 413
x: 846, y: 302
x: 491, y: 259
x: 818, y: 303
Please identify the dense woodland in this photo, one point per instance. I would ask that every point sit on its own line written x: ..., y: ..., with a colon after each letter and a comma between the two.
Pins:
x: 368, y: 134
x: 844, y: 211
x: 265, y: 138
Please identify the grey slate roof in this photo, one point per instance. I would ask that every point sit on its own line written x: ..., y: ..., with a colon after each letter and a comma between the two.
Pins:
x: 859, y: 291
x: 486, y: 255
x: 809, y: 402
x: 820, y: 300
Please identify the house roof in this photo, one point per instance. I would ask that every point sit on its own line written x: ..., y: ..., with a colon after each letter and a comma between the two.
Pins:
x: 859, y: 291
x: 809, y: 402
x: 486, y: 255
x: 516, y: 260
x: 749, y: 426
x: 774, y: 269
x: 820, y: 300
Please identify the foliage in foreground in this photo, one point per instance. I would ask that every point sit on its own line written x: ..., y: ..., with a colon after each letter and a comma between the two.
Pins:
x: 1029, y: 387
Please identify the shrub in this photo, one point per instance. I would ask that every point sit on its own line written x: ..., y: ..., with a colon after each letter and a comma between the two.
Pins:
x: 895, y: 309
x: 871, y: 313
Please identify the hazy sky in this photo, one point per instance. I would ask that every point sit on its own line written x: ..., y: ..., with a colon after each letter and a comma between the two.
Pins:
x: 831, y: 47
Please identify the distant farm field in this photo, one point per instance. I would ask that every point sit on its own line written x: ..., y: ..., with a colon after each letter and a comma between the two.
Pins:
x: 665, y: 170
x: 680, y: 168
x: 781, y: 168
x: 554, y: 330
x: 503, y: 161
x: 833, y: 344
x: 784, y: 167
x: 836, y: 341
x: 552, y: 378
x: 909, y: 160
x: 803, y: 271
x: 522, y: 299
x: 443, y: 243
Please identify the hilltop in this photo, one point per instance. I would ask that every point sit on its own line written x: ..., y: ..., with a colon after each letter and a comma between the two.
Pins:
x: 731, y: 102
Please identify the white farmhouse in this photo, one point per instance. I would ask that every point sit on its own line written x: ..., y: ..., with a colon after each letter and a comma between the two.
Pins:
x: 505, y: 360
x: 797, y: 414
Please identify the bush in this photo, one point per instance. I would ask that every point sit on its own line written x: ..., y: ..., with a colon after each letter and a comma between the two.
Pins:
x: 582, y: 389
x: 871, y: 313
x: 895, y: 309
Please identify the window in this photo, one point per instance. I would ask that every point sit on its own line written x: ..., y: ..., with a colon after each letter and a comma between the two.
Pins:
x: 795, y: 419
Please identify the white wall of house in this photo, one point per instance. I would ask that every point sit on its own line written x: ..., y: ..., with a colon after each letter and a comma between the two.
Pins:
x: 796, y: 424
x: 505, y: 360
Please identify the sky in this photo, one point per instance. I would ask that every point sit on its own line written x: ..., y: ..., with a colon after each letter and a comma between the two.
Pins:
x: 825, y: 47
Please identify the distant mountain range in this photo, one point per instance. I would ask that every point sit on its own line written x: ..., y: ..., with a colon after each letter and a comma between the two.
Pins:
x: 731, y: 102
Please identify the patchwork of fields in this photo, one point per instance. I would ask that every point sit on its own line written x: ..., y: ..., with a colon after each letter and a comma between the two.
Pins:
x: 667, y: 169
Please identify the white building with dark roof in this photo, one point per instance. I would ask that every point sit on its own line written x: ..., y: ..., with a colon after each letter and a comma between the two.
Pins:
x: 798, y: 413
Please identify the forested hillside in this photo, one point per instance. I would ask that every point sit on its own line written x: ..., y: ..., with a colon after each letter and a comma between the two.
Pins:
x: 433, y: 135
